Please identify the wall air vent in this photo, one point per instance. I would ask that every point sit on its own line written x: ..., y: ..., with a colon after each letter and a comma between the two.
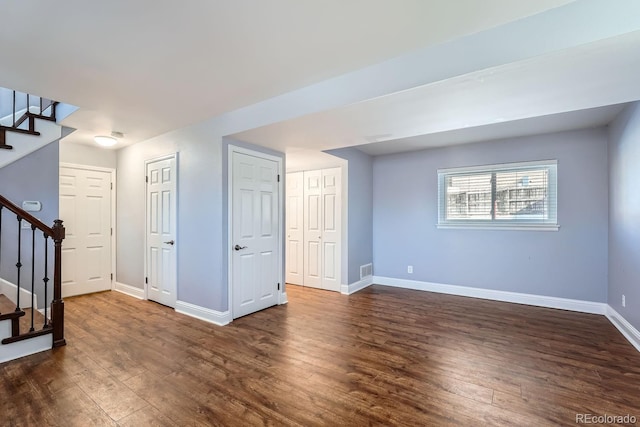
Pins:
x: 366, y: 271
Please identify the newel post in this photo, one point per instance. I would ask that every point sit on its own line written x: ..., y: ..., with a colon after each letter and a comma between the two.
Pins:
x: 57, y: 306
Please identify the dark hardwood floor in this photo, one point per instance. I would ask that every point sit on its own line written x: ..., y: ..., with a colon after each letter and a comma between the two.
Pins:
x: 382, y: 356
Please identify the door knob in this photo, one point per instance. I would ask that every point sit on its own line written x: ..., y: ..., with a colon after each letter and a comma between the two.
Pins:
x: 238, y: 247
x: 170, y: 242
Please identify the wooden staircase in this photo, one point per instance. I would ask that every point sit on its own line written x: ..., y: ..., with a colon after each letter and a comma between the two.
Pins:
x: 25, y: 331
x: 24, y: 122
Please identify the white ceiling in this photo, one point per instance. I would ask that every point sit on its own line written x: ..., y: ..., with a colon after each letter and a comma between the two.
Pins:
x: 146, y: 67
x: 564, y: 90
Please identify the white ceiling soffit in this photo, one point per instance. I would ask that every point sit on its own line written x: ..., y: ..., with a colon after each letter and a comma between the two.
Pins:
x: 146, y: 67
x: 311, y: 160
x: 572, y: 120
x: 593, y: 75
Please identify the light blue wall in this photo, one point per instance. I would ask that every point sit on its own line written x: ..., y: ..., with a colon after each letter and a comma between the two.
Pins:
x: 359, y: 211
x: 87, y: 155
x: 199, y: 239
x: 624, y: 214
x: 33, y: 177
x: 201, y: 266
x: 569, y: 263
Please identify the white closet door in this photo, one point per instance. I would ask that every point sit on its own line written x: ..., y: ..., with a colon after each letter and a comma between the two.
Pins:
x: 295, y: 219
x: 85, y: 206
x: 322, y: 228
x: 312, y: 229
x: 331, y: 226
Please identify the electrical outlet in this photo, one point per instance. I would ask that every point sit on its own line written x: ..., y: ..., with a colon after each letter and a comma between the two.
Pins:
x: 410, y: 269
x: 624, y: 301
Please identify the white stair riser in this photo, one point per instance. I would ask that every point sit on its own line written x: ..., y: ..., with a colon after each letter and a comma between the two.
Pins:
x: 21, y: 348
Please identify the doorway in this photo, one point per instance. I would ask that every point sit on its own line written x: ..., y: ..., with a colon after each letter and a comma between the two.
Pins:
x: 314, y: 228
x: 87, y: 201
x: 255, y: 224
x: 161, y: 237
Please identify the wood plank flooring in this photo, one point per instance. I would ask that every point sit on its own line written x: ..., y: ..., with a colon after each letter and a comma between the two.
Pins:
x: 382, y: 356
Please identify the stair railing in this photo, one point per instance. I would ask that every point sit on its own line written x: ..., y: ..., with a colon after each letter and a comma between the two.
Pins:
x: 50, y: 236
x: 46, y: 111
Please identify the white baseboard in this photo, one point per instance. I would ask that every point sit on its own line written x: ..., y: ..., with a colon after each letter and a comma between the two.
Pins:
x: 356, y: 286
x: 514, y: 297
x: 132, y: 291
x: 9, y: 290
x: 282, y: 298
x: 630, y: 333
x: 219, y: 318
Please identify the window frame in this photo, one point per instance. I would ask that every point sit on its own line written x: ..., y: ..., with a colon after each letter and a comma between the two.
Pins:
x: 549, y: 224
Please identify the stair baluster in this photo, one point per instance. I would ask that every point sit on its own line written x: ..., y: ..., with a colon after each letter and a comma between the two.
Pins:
x: 46, y: 280
x: 19, y: 264
x: 55, y: 235
x: 33, y: 275
x: 16, y: 123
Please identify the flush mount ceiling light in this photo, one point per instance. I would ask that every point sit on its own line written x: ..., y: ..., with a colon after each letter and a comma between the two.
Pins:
x: 105, y: 141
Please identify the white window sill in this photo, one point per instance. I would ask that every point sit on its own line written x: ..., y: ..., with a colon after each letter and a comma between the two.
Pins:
x: 493, y: 226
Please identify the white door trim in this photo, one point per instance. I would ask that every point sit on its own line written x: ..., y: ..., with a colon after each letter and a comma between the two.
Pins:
x: 114, y: 233
x: 146, y: 219
x: 282, y: 296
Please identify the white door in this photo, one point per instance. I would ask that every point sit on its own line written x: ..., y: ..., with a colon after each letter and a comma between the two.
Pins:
x: 294, y: 220
x: 255, y: 260
x: 161, y: 237
x: 312, y: 229
x: 331, y: 227
x: 322, y: 228
x: 85, y: 208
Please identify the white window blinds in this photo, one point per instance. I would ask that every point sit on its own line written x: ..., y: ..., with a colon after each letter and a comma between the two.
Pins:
x: 507, y: 195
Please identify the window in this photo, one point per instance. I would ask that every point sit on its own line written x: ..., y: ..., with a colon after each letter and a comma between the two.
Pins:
x: 516, y: 195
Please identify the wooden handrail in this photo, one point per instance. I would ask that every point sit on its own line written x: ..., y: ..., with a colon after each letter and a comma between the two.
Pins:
x: 57, y: 234
x: 4, y: 202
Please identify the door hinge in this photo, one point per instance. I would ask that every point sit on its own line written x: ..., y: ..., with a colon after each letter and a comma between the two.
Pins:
x: 146, y: 280
x: 112, y: 231
x: 278, y: 177
x: 146, y: 179
x: 278, y: 286
x: 112, y: 277
x: 111, y: 185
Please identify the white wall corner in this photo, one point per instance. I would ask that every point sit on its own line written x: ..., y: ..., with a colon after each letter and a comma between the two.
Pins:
x: 356, y: 286
x: 282, y: 298
x: 504, y: 296
x: 9, y: 291
x: 219, y: 318
x: 626, y: 328
x: 132, y: 291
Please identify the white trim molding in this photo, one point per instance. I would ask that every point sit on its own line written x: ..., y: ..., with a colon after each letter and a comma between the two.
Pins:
x: 352, y: 288
x: 132, y: 291
x: 219, y: 318
x: 9, y: 291
x: 514, y: 297
x: 282, y: 298
x: 627, y: 329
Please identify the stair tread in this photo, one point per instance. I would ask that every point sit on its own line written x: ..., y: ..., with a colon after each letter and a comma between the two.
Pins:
x: 7, y: 306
